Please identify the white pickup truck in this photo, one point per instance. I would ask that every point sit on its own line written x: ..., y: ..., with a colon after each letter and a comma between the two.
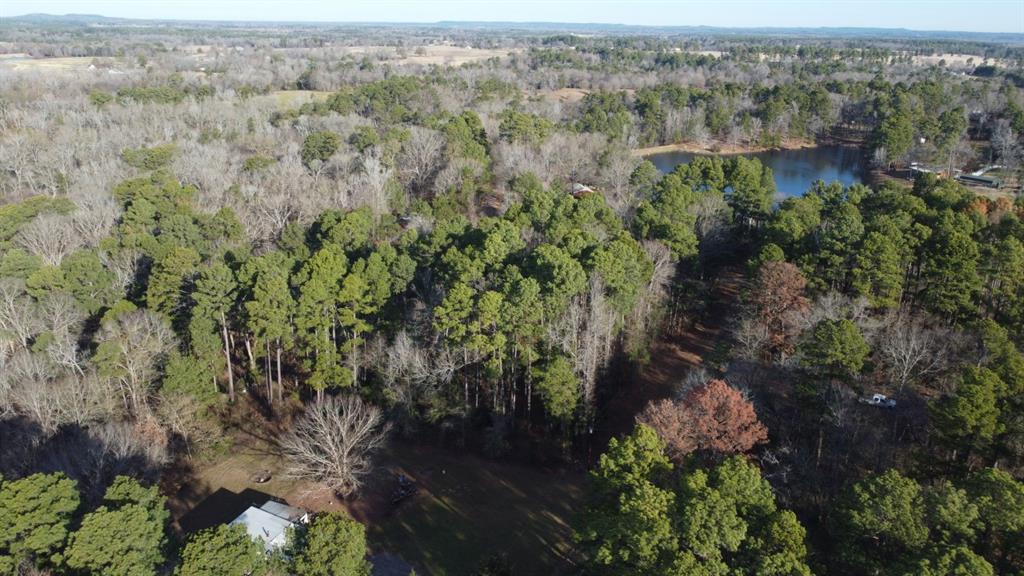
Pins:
x: 879, y: 400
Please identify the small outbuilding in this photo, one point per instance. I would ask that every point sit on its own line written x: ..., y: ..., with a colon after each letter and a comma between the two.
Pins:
x: 973, y: 180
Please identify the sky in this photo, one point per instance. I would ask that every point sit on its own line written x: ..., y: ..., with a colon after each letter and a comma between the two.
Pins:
x: 950, y: 15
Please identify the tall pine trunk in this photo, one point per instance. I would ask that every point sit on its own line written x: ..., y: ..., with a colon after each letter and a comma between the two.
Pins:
x: 248, y: 351
x: 227, y: 357
x: 280, y: 382
x: 270, y: 376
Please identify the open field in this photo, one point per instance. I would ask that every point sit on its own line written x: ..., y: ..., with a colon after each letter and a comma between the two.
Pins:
x: 466, y: 509
x: 957, y: 60
x: 47, y: 64
x: 469, y: 508
x: 441, y: 55
x: 570, y: 95
x: 294, y: 98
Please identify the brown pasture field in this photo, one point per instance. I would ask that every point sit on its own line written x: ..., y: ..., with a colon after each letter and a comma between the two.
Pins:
x: 440, y: 55
x: 570, y: 95
x: 955, y: 60
x: 292, y: 98
x: 48, y: 64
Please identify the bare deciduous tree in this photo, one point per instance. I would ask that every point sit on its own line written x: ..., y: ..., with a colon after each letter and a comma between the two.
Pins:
x: 422, y: 157
x: 333, y: 441
x: 371, y: 186
x: 63, y: 351
x: 409, y: 368
x: 186, y: 417
x: 60, y: 312
x: 94, y: 456
x: 572, y: 156
x: 123, y: 263
x: 586, y: 334
x: 19, y: 318
x: 32, y: 385
x: 30, y: 378
x: 911, y: 351
x: 642, y: 323
x: 131, y: 350
x: 840, y: 402
x: 615, y: 175
x: 84, y: 399
x: 712, y: 212
x: 94, y: 218
x: 52, y: 237
x: 1006, y: 144
x: 751, y: 337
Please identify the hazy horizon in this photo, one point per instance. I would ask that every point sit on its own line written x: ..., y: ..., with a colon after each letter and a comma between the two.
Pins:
x: 999, y: 16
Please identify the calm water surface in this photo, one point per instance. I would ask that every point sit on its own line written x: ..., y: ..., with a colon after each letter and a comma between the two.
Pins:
x: 795, y: 170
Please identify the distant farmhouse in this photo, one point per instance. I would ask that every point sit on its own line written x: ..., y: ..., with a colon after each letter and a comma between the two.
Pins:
x: 578, y: 189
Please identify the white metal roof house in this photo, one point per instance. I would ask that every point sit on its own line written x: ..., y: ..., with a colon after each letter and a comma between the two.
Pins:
x: 270, y: 523
x: 578, y: 189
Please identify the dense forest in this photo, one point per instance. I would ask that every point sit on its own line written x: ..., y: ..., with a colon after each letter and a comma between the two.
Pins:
x: 328, y: 242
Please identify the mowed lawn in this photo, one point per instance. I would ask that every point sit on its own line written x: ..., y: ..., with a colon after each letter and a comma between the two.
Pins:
x: 468, y: 508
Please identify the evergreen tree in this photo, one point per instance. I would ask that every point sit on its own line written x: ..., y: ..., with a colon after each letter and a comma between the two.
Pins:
x: 881, y: 524
x: 753, y: 188
x: 949, y: 271
x: 332, y: 545
x: 35, y: 517
x: 214, y: 297
x: 317, y: 318
x: 126, y: 536
x: 969, y: 419
x: 878, y: 272
x: 627, y: 526
x: 729, y: 522
x: 318, y: 148
x: 835, y: 347
x: 166, y: 291
x: 226, y: 550
x: 558, y: 386
x: 666, y: 215
x: 269, y: 312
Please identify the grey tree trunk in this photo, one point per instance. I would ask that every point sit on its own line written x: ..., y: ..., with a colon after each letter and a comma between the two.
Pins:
x: 280, y: 383
x: 227, y: 357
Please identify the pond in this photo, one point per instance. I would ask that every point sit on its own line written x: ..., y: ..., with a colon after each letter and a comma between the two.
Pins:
x: 795, y: 170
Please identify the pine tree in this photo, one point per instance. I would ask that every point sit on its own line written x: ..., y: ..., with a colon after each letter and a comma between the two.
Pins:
x: 627, y: 526
x: 215, y: 299
x: 878, y: 271
x: 317, y: 317
x: 226, y: 550
x: 949, y: 271
x: 35, y: 517
x: 126, y: 536
x: 332, y: 545
x: 269, y: 312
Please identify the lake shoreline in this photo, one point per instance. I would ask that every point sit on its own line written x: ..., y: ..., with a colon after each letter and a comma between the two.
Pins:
x: 795, y: 168
x: 722, y: 148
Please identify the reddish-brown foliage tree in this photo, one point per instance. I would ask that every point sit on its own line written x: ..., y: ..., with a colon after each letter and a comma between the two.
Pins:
x: 777, y: 299
x: 714, y: 417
